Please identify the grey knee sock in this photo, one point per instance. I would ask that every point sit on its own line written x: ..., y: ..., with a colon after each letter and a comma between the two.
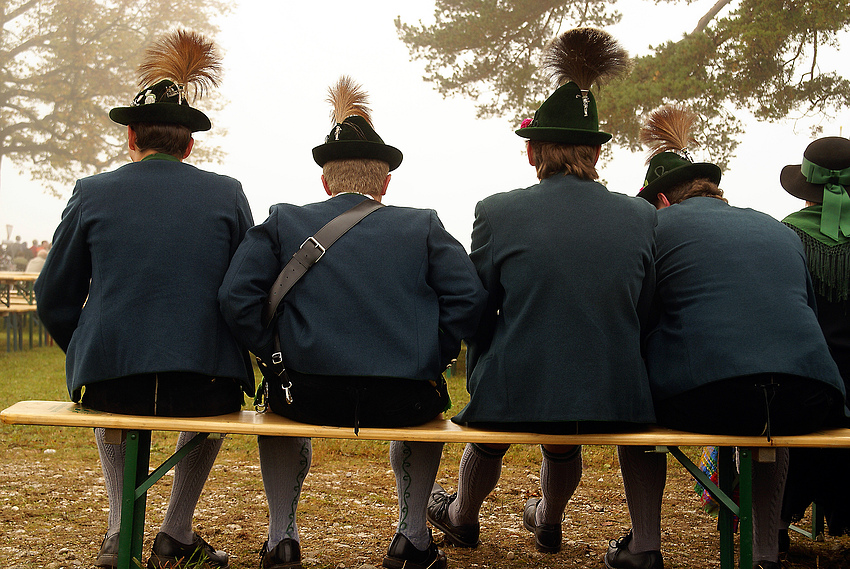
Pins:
x: 478, y: 474
x: 190, y: 475
x: 415, y: 465
x: 284, y: 463
x: 644, y: 477
x: 112, y: 462
x: 768, y: 490
x: 559, y: 478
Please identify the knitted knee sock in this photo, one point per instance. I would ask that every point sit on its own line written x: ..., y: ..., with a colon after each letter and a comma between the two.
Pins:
x: 559, y: 478
x: 190, y: 475
x: 768, y: 489
x: 284, y: 463
x: 112, y: 462
x: 644, y: 477
x: 479, y: 472
x: 415, y: 465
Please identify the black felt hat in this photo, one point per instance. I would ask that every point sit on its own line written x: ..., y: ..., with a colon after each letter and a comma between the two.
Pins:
x: 354, y: 138
x: 578, y: 59
x: 172, y: 65
x: 831, y: 153
x: 161, y: 103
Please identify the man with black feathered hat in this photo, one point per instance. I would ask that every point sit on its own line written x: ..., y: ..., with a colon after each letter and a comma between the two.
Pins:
x: 822, y: 180
x: 568, y: 267
x: 138, y: 317
x: 735, y: 347
x: 365, y: 334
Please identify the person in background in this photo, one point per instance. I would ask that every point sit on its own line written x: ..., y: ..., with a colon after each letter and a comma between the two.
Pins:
x: 719, y: 360
x: 823, y: 226
x: 36, y: 263
x: 569, y: 269
x: 365, y: 334
x: 141, y: 330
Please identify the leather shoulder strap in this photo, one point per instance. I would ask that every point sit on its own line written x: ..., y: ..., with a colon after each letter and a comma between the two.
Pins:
x: 311, y: 251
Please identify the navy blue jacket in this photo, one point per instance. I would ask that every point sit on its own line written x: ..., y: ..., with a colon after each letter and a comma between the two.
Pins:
x: 393, y: 297
x: 734, y: 298
x: 569, y: 268
x: 130, y: 285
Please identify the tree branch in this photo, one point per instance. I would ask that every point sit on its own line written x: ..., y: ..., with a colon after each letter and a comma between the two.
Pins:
x: 703, y: 22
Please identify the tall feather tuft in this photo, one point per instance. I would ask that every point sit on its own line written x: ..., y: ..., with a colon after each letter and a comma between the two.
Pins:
x: 184, y: 57
x: 348, y: 98
x: 668, y: 129
x: 586, y: 56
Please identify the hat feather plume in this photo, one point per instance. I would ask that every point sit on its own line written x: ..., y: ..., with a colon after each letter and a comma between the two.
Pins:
x: 586, y: 56
x: 184, y: 57
x: 348, y: 98
x: 668, y: 129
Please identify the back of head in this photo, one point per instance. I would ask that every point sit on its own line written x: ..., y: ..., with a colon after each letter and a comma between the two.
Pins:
x: 551, y: 158
x: 364, y: 176
x: 167, y: 138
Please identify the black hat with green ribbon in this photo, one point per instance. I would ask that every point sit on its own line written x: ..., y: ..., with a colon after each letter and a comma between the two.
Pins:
x: 352, y: 136
x: 170, y: 67
x: 578, y: 59
x: 667, y: 132
x: 823, y: 177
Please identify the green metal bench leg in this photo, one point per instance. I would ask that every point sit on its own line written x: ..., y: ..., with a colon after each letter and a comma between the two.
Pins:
x: 132, y: 533
x: 726, y: 478
x: 745, y: 505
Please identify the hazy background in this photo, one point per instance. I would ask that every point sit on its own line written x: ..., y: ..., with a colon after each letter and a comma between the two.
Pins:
x: 280, y: 59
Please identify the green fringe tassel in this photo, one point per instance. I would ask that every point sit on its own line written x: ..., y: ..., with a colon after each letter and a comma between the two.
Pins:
x: 829, y: 266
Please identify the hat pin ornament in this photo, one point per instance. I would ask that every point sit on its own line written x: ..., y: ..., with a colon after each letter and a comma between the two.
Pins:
x: 585, y: 99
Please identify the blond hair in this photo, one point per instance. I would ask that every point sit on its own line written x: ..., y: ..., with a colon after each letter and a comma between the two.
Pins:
x: 576, y: 159
x: 363, y: 176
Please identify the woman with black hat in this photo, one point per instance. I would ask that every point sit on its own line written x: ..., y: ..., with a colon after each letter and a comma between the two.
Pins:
x: 822, y: 180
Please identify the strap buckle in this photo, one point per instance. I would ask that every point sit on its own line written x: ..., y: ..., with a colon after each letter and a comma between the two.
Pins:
x: 317, y: 245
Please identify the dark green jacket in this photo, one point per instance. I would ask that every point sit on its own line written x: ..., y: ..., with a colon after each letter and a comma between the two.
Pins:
x: 569, y: 268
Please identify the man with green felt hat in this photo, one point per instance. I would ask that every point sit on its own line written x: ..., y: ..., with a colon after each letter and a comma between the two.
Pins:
x: 568, y: 266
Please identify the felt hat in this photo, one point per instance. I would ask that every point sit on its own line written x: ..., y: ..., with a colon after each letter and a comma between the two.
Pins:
x: 667, y: 133
x: 353, y: 136
x: 823, y: 177
x: 172, y: 65
x: 161, y: 103
x: 668, y: 169
x: 831, y: 153
x: 578, y: 59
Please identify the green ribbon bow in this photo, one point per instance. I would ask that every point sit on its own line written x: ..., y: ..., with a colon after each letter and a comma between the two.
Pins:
x: 836, y: 202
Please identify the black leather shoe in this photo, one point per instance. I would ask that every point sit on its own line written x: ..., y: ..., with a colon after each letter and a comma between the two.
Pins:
x: 403, y: 555
x: 108, y: 555
x: 547, y: 537
x: 619, y: 557
x: 168, y: 553
x: 285, y: 555
x: 437, y: 513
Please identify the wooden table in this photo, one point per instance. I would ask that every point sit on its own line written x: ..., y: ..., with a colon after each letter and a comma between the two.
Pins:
x: 17, y: 301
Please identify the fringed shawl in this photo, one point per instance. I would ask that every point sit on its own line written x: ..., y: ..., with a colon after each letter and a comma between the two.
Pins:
x: 828, y: 259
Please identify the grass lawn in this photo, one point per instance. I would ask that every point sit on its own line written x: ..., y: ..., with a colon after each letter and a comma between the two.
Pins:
x: 53, y: 506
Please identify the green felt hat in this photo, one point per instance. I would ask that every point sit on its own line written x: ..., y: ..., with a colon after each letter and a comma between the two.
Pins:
x: 669, y: 169
x: 354, y: 138
x: 161, y: 103
x: 568, y: 116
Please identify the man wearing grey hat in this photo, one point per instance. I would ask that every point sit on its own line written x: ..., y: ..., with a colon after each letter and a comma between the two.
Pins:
x: 365, y: 334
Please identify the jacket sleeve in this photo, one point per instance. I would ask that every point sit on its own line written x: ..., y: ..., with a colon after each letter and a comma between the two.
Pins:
x: 460, y: 294
x: 488, y: 272
x: 63, y: 284
x: 253, y: 269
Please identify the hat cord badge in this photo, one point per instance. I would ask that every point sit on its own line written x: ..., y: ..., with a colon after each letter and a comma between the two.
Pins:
x: 585, y: 99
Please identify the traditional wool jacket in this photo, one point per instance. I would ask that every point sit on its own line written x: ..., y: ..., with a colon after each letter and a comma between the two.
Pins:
x: 569, y: 268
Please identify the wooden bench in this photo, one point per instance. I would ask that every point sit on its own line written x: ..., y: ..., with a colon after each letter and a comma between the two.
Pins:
x: 138, y: 478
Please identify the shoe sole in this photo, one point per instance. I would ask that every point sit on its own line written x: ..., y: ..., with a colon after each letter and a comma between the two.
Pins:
x: 449, y: 536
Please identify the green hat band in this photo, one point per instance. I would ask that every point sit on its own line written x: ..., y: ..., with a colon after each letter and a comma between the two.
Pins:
x: 836, y: 202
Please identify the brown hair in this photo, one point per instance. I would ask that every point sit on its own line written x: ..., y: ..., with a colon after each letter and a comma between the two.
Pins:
x: 166, y: 138
x: 364, y: 176
x: 551, y: 158
x: 701, y: 187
